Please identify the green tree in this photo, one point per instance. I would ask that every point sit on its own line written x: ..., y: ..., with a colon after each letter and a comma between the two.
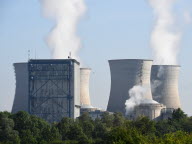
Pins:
x: 27, y: 137
x: 55, y: 135
x: 121, y: 135
x: 33, y: 129
x: 187, y: 125
x: 107, y: 119
x: 86, y: 124
x: 178, y: 115
x: 50, y: 133
x: 163, y: 127
x: 178, y: 137
x: 76, y: 133
x: 7, y: 132
x: 22, y: 121
x: 100, y: 131
x: 145, y: 126
x: 85, y: 117
x: 64, y: 127
x: 118, y: 119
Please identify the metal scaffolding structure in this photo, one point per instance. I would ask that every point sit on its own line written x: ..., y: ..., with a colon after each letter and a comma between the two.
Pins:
x: 50, y: 86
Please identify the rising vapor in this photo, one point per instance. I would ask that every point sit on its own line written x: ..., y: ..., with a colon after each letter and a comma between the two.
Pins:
x: 137, y: 95
x: 187, y: 17
x: 66, y: 14
x: 165, y: 37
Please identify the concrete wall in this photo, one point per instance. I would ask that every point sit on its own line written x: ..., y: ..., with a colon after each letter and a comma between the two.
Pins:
x: 166, y: 113
x: 152, y: 111
x: 21, y: 90
x: 125, y: 74
x: 76, y: 90
x: 164, y: 83
x: 84, y: 85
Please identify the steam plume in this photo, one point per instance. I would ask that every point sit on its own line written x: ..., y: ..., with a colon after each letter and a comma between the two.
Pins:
x: 187, y: 17
x: 66, y: 13
x: 137, y: 94
x: 164, y: 38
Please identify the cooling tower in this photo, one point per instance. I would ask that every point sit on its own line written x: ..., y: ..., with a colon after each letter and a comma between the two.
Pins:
x: 84, y: 86
x: 21, y: 93
x: 125, y: 74
x: 164, y: 83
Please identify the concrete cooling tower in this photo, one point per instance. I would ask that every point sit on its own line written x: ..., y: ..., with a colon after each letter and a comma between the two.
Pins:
x: 84, y: 86
x: 164, y: 83
x: 21, y: 93
x: 125, y: 74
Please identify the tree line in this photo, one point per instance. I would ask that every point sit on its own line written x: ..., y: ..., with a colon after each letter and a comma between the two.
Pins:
x: 23, y: 128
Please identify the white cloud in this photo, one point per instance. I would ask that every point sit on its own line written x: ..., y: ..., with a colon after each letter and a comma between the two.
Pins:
x: 187, y: 17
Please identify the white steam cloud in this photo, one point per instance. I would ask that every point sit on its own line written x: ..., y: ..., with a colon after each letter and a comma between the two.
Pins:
x: 187, y: 17
x: 66, y: 13
x: 137, y: 95
x: 165, y: 38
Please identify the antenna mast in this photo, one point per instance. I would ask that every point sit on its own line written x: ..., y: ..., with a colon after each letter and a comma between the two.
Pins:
x: 28, y: 54
x: 69, y: 57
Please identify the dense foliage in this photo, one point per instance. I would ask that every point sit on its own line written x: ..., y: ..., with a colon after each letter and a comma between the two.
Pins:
x: 22, y: 128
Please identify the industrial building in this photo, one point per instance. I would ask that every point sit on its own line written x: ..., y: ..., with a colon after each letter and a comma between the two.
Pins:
x: 50, y: 89
x: 53, y: 89
x: 150, y: 108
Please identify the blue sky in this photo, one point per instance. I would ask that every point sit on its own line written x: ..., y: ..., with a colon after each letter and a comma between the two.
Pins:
x: 110, y: 29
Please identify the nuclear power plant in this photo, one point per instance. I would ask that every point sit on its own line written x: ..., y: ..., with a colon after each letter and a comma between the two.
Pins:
x: 57, y: 88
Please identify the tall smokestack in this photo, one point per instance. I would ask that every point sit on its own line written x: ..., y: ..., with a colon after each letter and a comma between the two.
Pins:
x: 164, y: 81
x: 84, y: 86
x: 21, y: 93
x: 125, y: 74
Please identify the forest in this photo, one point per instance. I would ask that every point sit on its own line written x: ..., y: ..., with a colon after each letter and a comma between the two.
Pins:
x: 23, y: 128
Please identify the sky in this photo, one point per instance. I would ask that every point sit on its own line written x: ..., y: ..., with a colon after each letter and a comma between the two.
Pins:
x: 110, y: 29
